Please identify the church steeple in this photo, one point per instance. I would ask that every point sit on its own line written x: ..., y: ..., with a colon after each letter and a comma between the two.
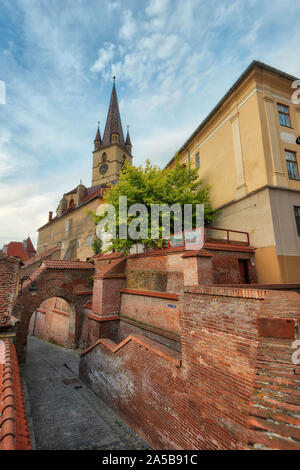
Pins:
x: 128, y: 141
x: 113, y: 130
x: 98, y: 140
x: 112, y: 151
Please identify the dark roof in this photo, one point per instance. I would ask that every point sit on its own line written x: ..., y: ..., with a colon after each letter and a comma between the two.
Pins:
x: 113, y: 122
x: 98, y: 136
x: 128, y: 141
x: 254, y: 63
x: 91, y: 193
x: 71, y: 192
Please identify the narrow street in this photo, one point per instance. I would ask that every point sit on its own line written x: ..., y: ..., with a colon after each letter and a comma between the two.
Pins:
x: 65, y: 413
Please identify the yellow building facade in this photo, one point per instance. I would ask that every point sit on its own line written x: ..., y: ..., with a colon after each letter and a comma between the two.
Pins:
x: 72, y: 228
x: 248, y: 151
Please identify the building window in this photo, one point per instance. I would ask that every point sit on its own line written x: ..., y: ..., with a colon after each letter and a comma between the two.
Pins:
x: 297, y: 217
x: 78, y: 243
x: 67, y: 226
x: 52, y: 233
x: 284, y: 115
x: 104, y: 158
x: 63, y: 245
x: 90, y: 240
x: 198, y: 160
x: 291, y: 163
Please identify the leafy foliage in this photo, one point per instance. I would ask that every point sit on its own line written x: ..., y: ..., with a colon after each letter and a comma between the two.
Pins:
x: 151, y: 185
x: 97, y: 246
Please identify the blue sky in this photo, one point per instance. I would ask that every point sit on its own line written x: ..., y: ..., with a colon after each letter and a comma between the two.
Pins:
x: 173, y: 60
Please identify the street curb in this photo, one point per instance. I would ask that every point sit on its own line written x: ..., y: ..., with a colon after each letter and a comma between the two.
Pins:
x: 28, y: 412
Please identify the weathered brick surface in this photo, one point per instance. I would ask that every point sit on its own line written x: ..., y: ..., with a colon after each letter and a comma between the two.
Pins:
x: 52, y: 282
x: 160, y: 313
x: 226, y: 269
x: 235, y: 389
x: 53, y: 322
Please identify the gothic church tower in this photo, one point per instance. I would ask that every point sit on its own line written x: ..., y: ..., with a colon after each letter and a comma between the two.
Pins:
x: 110, y: 153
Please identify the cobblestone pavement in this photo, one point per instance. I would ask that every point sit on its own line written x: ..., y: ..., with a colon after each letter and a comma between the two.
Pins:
x: 65, y: 413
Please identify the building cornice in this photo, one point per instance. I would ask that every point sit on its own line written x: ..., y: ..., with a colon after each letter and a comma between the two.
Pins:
x: 250, y: 68
x: 258, y: 190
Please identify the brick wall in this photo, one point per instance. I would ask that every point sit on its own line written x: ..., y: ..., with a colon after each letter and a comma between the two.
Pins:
x: 225, y: 266
x: 219, y: 391
x: 51, y: 322
x: 160, y: 313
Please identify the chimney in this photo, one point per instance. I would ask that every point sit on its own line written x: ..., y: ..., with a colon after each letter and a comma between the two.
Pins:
x: 50, y: 216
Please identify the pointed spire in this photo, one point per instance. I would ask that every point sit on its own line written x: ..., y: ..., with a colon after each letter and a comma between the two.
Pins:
x: 113, y: 122
x: 128, y: 141
x: 98, y: 135
x: 98, y: 141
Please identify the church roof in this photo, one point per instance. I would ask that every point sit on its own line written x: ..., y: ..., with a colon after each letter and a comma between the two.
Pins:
x: 128, y: 141
x: 113, y: 122
x: 98, y: 136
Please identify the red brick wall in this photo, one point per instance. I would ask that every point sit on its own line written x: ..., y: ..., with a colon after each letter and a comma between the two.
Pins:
x: 226, y: 269
x: 51, y: 322
x: 204, y: 403
x: 160, y: 313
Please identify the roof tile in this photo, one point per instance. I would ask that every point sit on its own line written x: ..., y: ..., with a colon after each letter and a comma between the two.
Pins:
x: 14, y: 434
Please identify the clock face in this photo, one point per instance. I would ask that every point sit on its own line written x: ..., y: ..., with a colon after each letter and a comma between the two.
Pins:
x: 103, y: 168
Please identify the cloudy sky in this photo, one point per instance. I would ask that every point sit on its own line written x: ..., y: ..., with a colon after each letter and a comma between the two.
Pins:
x: 173, y: 60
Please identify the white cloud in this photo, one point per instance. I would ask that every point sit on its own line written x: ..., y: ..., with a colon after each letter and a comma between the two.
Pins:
x: 157, y: 7
x: 128, y: 28
x: 105, y: 56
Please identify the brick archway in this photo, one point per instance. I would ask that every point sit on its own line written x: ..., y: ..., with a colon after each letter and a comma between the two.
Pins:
x: 69, y: 280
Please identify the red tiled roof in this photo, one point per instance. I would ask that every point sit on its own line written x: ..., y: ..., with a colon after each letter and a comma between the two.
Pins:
x: 14, y: 434
x: 9, y: 269
x: 42, y: 255
x: 65, y: 264
x: 17, y: 250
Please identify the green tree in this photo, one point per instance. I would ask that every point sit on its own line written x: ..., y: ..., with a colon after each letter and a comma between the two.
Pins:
x: 97, y: 246
x: 152, y: 185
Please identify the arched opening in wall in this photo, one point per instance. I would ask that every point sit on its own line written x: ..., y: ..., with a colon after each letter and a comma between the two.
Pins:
x: 54, y: 321
x: 72, y: 204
